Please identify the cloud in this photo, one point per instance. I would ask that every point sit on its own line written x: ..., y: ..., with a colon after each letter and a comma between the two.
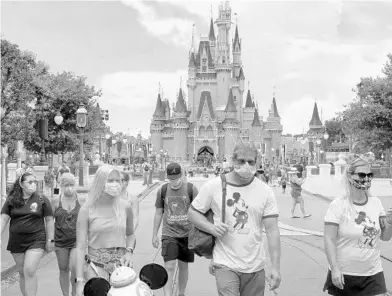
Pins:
x: 176, y: 30
x: 140, y: 89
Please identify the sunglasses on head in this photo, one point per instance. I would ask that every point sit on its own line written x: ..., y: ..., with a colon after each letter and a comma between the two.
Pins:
x: 363, y: 175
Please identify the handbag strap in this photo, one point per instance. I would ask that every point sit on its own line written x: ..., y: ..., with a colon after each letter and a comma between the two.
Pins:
x: 224, y: 183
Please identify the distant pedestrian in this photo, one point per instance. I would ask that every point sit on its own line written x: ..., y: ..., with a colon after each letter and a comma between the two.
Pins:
x: 104, y: 229
x: 66, y: 209
x: 238, y: 255
x: 31, y: 229
x: 283, y: 181
x: 131, y: 198
x: 353, y: 227
x: 172, y: 204
x: 296, y: 193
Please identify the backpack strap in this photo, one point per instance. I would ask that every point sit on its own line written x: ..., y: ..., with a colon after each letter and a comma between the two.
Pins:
x: 190, y: 191
x: 163, y: 191
x: 224, y: 192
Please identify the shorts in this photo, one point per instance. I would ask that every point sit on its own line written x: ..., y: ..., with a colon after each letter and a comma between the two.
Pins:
x: 233, y: 283
x: 357, y: 285
x: 176, y: 248
x: 284, y: 186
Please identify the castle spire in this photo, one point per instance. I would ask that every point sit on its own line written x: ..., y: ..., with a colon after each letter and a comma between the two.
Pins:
x: 180, y: 105
x: 248, y: 103
x: 211, y: 36
x: 274, y: 108
x: 236, y: 40
x: 159, y: 109
x: 256, y: 120
x: 315, y: 121
x: 230, y: 107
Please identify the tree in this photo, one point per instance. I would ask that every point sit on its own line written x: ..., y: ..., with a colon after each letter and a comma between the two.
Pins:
x: 368, y: 119
x: 334, y: 129
x: 64, y: 93
x: 19, y: 74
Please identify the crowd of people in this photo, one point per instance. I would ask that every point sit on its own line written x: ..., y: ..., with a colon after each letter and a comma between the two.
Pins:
x: 94, y: 238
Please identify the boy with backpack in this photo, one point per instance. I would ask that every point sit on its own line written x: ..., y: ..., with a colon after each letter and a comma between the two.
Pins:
x: 172, y: 204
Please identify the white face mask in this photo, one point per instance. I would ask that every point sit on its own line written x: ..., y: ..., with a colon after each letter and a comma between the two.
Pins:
x: 113, y: 189
x: 245, y: 171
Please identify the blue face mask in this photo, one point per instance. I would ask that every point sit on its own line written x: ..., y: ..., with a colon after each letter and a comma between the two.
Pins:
x: 175, y: 184
x: 113, y: 189
x: 245, y: 171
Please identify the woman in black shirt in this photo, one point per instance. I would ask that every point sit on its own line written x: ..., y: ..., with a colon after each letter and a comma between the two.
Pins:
x: 31, y: 229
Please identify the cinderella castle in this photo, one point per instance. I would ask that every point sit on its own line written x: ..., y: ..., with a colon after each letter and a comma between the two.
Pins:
x: 215, y: 113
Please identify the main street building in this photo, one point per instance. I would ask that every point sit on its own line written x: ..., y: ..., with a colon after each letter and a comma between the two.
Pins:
x: 215, y: 113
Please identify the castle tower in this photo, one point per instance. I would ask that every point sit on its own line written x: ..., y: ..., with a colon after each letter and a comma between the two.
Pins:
x: 249, y: 111
x: 255, y: 135
x: 222, y: 61
x: 272, y: 134
x: 237, y: 63
x: 158, y: 123
x: 231, y: 126
x: 180, y: 127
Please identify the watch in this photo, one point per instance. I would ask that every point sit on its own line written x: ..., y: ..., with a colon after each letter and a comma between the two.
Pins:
x: 79, y: 280
x: 129, y: 249
x: 50, y: 240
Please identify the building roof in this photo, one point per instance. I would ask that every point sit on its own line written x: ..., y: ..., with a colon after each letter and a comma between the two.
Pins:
x: 249, y: 102
x: 180, y: 105
x: 315, y: 121
x: 211, y: 36
x: 159, y: 109
x: 256, y: 120
x: 205, y: 96
x: 230, y: 107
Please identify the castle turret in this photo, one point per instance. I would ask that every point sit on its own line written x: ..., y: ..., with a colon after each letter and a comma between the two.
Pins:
x: 180, y: 127
x: 248, y: 112
x: 315, y: 124
x: 255, y: 134
x: 231, y: 126
x: 157, y: 124
x: 273, y: 133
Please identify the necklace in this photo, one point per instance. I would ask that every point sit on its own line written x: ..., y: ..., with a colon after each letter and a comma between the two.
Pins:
x: 26, y: 199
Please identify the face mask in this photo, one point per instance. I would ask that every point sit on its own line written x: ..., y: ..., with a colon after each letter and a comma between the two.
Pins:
x: 245, y: 171
x: 113, y: 189
x: 69, y: 192
x: 176, y: 184
x: 362, y: 184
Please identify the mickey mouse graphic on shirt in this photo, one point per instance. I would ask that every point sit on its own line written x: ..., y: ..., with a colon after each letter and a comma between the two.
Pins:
x: 240, y: 213
x: 370, y: 231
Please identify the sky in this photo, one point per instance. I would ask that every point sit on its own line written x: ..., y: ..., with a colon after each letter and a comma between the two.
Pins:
x: 305, y: 52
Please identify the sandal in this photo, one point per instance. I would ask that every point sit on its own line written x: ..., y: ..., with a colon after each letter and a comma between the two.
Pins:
x: 294, y: 217
x: 307, y: 216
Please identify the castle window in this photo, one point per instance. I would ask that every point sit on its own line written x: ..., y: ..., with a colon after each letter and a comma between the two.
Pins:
x: 204, y: 69
x: 235, y: 98
x: 204, y: 60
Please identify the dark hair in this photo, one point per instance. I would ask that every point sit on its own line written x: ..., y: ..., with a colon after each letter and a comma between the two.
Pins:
x: 125, y: 175
x: 16, y: 193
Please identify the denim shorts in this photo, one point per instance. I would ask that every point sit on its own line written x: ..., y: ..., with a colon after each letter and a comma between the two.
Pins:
x: 234, y: 283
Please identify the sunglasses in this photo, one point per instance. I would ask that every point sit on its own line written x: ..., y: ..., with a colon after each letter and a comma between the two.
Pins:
x: 363, y: 175
x: 31, y: 182
x: 243, y: 161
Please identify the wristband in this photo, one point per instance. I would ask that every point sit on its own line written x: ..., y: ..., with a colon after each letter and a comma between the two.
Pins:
x: 79, y: 280
x: 129, y: 249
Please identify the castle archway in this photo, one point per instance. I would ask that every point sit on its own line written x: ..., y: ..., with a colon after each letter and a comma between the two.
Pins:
x: 205, y: 156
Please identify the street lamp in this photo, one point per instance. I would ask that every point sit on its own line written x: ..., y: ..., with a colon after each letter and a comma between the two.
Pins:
x: 326, y: 136
x: 81, y: 122
x: 58, y: 119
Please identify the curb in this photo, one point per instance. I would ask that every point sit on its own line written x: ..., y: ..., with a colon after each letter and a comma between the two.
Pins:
x: 11, y: 270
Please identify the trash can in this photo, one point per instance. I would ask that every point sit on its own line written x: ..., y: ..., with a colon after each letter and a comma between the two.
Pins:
x: 162, y: 175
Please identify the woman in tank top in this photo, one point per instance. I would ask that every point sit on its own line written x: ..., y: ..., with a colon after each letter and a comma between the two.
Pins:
x: 66, y: 208
x: 105, y: 228
x: 296, y: 193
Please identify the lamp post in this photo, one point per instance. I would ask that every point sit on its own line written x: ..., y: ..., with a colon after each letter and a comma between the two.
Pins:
x: 81, y: 122
x: 58, y: 119
x: 108, y: 145
x: 43, y: 134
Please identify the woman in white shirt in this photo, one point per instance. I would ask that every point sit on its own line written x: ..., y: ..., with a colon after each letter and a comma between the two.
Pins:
x: 354, y: 224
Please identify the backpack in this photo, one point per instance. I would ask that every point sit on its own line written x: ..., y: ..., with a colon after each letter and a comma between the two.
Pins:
x: 189, y: 190
x: 201, y: 242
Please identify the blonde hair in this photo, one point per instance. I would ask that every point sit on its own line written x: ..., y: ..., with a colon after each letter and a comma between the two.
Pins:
x: 352, y: 162
x: 67, y: 178
x: 98, y: 185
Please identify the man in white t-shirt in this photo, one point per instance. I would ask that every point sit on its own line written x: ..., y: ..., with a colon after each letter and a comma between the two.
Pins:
x: 238, y: 256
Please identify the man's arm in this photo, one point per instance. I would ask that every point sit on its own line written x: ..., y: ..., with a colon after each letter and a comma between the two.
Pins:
x: 135, y: 210
x: 273, y: 240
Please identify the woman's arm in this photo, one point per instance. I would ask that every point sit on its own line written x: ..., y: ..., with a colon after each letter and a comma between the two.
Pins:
x: 81, y: 241
x: 4, y: 221
x: 131, y: 238
x: 386, y: 229
x: 135, y: 210
x: 330, y: 237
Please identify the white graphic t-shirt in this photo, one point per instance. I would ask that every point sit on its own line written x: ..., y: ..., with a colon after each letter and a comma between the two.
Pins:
x: 357, y: 245
x: 246, y: 206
